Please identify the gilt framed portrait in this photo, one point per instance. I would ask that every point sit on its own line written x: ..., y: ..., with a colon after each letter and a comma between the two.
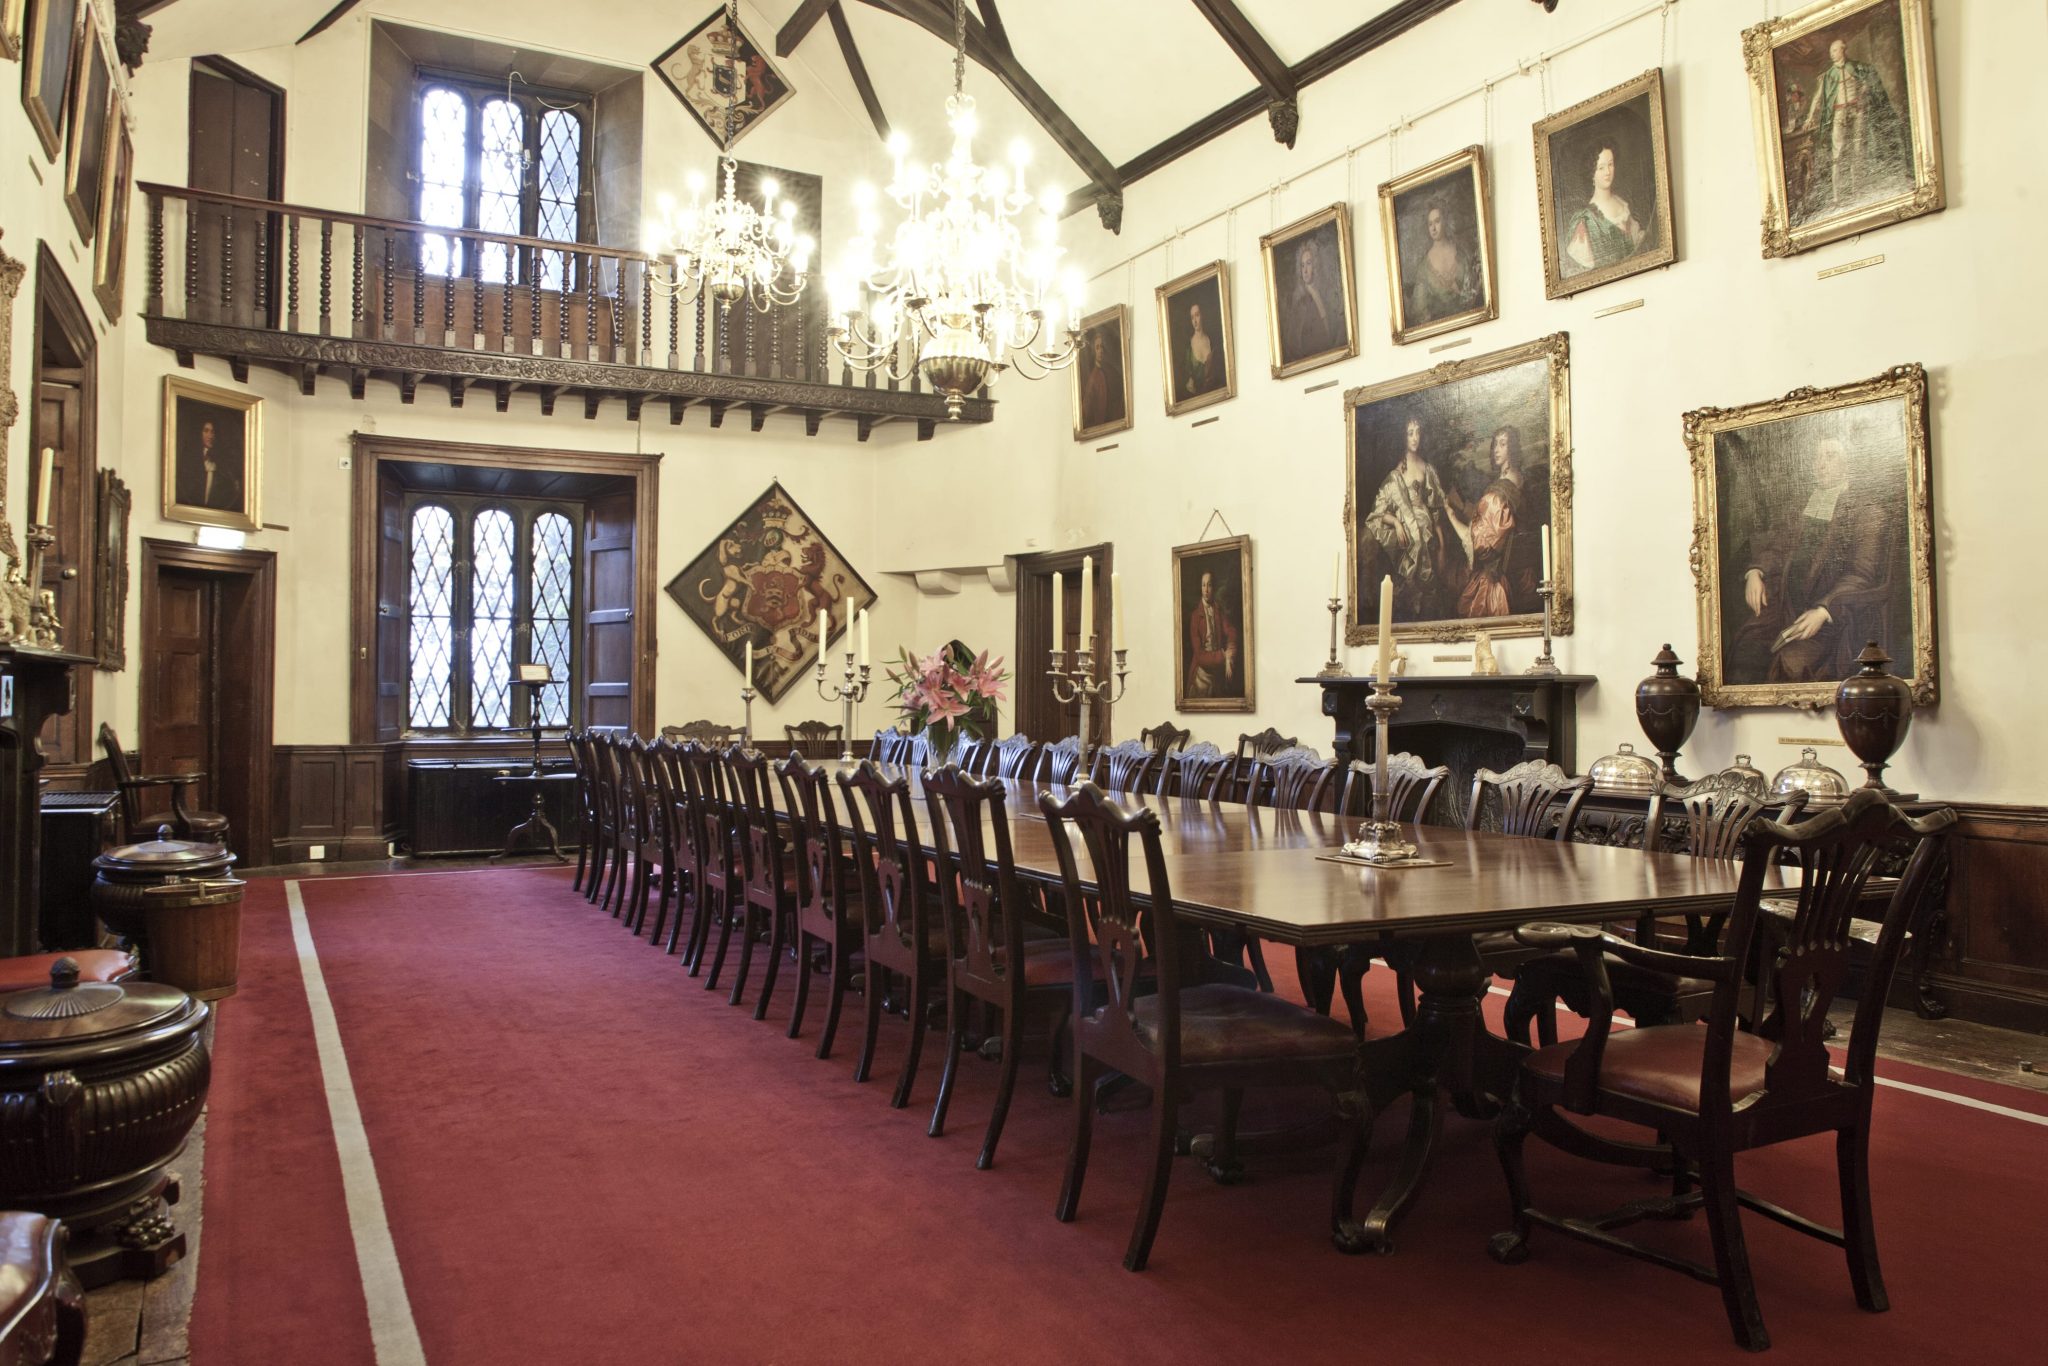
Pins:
x: 50, y: 46
x: 1603, y: 188
x: 1194, y: 332
x: 92, y: 105
x: 110, y: 243
x: 12, y: 15
x: 213, y: 455
x: 702, y: 69
x: 110, y: 572
x: 1848, y: 129
x: 1452, y: 476
x: 762, y: 582
x: 1813, y: 534
x: 1212, y: 626
x: 1438, y: 226
x: 1311, y: 309
x: 1102, y: 374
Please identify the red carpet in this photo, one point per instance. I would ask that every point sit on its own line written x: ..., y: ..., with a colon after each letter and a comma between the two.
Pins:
x: 586, y: 1157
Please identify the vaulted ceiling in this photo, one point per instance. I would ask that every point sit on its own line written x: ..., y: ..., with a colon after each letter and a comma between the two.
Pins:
x: 1118, y: 88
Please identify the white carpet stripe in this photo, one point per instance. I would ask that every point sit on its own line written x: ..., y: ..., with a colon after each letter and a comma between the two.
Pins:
x: 1951, y: 1097
x: 392, y: 1331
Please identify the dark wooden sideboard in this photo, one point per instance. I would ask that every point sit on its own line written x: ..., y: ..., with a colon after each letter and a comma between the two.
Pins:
x: 36, y: 685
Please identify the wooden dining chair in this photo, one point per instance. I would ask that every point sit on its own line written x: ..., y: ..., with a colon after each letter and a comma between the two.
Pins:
x: 1060, y: 760
x: 768, y: 875
x: 1187, y: 1036
x: 828, y: 893
x: 1165, y: 738
x: 1123, y: 767
x: 1716, y: 811
x: 814, y: 738
x: 988, y: 957
x: 141, y: 822
x: 1199, y: 771
x: 611, y: 809
x: 710, y: 733
x: 1015, y: 757
x: 684, y: 834
x: 586, y: 803
x: 644, y: 837
x: 1293, y: 779
x: 1743, y: 1081
x: 899, y: 911
x: 718, y: 876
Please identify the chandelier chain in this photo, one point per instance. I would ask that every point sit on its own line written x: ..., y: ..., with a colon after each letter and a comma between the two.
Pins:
x: 959, y: 46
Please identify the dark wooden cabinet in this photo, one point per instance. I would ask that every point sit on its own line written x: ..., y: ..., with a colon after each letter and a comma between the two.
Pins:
x: 459, y: 808
x: 34, y: 686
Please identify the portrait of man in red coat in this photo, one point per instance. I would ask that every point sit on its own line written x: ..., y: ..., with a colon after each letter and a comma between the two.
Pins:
x: 1215, y: 661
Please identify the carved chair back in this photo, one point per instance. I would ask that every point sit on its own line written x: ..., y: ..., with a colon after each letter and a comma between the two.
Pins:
x: 1165, y: 737
x: 820, y: 843
x: 984, y: 902
x: 707, y: 782
x: 605, y: 777
x: 1718, y: 809
x: 1201, y: 770
x: 1112, y: 936
x: 664, y: 767
x: 1013, y: 757
x: 704, y: 733
x: 760, y: 835
x: 1123, y: 767
x: 1411, y: 787
x: 1266, y: 743
x: 812, y: 737
x: 971, y: 755
x: 1295, y: 779
x: 1528, y: 798
x: 1059, y: 760
x: 892, y: 863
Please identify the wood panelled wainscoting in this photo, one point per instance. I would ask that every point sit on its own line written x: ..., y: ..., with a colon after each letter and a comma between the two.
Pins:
x: 1993, y: 965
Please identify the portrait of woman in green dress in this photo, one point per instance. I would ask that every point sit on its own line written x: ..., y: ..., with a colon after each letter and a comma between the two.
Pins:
x: 1603, y: 178
x: 1605, y: 230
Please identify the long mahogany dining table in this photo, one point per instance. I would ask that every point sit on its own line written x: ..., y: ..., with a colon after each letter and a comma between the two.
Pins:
x: 1266, y: 871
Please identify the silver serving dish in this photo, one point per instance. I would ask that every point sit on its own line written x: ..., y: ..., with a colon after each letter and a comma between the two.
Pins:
x: 1743, y: 766
x: 1811, y: 776
x: 1626, y: 771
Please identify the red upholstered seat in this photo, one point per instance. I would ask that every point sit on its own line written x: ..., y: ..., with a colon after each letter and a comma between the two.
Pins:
x: 1221, y: 1023
x: 94, y: 965
x: 1661, y: 1064
x: 1047, y: 962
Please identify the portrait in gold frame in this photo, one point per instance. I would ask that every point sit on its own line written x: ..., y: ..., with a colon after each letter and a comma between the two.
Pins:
x: 1102, y: 374
x: 12, y: 15
x: 110, y: 243
x: 94, y: 104
x: 1201, y: 680
x: 1437, y: 224
x: 1311, y: 301
x: 1469, y: 421
x: 1813, y: 532
x: 1614, y: 146
x: 50, y: 44
x: 1199, y: 366
x: 1827, y: 177
x: 205, y: 425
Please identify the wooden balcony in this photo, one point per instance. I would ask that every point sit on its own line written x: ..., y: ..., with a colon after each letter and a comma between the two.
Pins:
x: 313, y: 293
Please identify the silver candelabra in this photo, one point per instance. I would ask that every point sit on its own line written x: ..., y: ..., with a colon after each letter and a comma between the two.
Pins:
x: 854, y: 690
x: 747, y: 716
x: 1545, y: 663
x: 44, y: 628
x: 1082, y: 684
x: 1334, y: 668
x: 1380, y: 839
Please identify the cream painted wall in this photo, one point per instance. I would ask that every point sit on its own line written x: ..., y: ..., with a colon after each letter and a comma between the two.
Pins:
x: 1961, y: 292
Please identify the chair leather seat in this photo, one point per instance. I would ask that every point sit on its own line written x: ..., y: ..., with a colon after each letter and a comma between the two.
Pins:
x: 94, y: 965
x: 1047, y: 962
x: 198, y: 822
x: 1660, y: 1064
x: 26, y: 1267
x: 1221, y: 1023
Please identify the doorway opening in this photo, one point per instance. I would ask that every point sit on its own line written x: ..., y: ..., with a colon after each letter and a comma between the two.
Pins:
x: 1040, y: 715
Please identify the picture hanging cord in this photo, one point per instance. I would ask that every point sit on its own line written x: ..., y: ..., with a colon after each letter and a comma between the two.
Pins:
x: 1215, y: 516
x: 1523, y: 68
x: 1664, y: 36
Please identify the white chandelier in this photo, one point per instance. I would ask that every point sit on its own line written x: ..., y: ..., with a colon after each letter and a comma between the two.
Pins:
x: 729, y: 249
x: 961, y: 289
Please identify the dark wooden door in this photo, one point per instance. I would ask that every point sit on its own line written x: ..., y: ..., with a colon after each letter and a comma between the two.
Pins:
x: 62, y: 421
x: 609, y: 585
x: 236, y: 147
x: 1040, y: 714
x: 181, y: 725
x: 392, y: 584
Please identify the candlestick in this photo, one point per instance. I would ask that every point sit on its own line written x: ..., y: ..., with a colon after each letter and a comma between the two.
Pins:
x: 43, y: 488
x: 750, y: 663
x: 1335, y: 667
x: 1082, y: 685
x: 1546, y: 552
x: 1088, y: 602
x: 824, y: 631
x: 1116, y: 609
x: 43, y: 626
x: 852, y: 690
x: 1545, y: 663
x: 747, y: 716
x: 1337, y: 576
x: 1385, y: 668
x: 1380, y: 839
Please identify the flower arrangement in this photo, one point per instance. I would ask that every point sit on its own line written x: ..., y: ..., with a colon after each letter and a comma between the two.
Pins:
x: 947, y: 694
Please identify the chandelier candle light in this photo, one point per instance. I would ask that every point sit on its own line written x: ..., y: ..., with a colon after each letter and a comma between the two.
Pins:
x: 855, y: 687
x: 729, y: 249
x: 1082, y: 683
x: 1380, y: 839
x: 960, y: 288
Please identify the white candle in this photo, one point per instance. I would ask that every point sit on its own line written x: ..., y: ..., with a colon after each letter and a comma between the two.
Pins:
x: 1385, y: 670
x: 43, y: 489
x: 1337, y: 576
x: 863, y: 637
x: 750, y: 663
x: 824, y: 627
x: 1546, y: 552
x: 1059, y: 611
x: 1116, y: 609
x: 1087, y: 602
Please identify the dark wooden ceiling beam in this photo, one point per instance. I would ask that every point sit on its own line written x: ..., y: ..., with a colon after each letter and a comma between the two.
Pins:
x: 936, y: 18
x: 1250, y: 46
x: 801, y: 23
x: 992, y: 20
x: 1330, y: 57
x: 858, y: 69
x: 328, y: 20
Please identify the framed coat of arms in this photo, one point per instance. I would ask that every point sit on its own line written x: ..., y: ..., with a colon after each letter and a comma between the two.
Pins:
x: 762, y: 582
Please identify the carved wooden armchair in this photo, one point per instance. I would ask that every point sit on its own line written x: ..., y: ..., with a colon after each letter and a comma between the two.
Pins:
x: 1014, y: 757
x: 1165, y: 737
x: 1124, y: 767
x: 813, y: 738
x: 206, y: 827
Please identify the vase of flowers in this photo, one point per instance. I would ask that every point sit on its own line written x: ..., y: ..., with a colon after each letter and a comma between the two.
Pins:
x: 948, y: 695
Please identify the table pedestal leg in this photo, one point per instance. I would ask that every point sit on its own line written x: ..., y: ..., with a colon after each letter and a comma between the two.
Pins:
x: 532, y: 827
x: 1446, y: 1052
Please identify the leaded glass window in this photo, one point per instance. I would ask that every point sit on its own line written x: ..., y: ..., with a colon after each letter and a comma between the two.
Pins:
x: 493, y: 584
x: 499, y: 161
